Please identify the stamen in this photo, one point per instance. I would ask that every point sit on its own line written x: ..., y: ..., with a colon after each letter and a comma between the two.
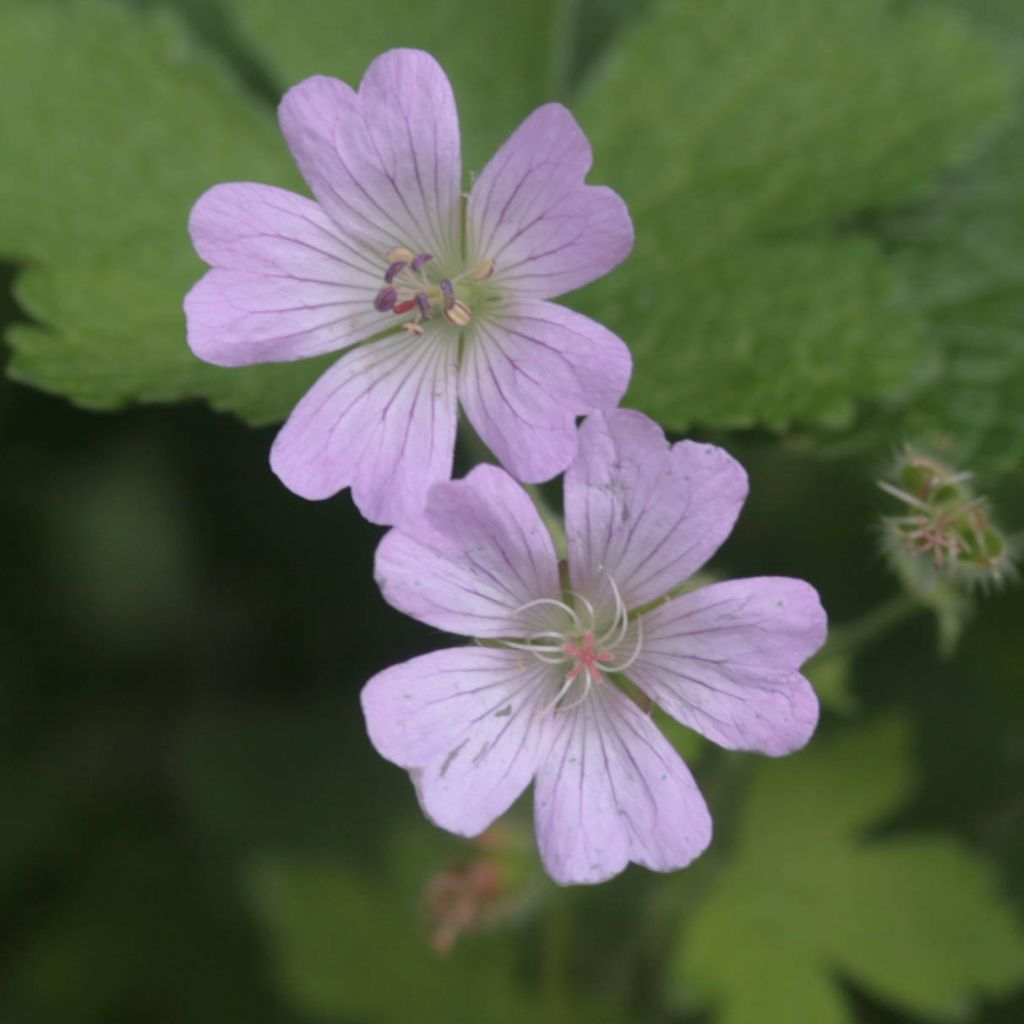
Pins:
x: 449, y: 294
x: 586, y: 604
x: 423, y: 257
x: 394, y: 270
x: 458, y: 314
x: 412, y: 327
x: 561, y: 605
x: 423, y: 301
x: 385, y: 300
x: 620, y: 621
x: 483, y: 271
x: 636, y: 650
x: 400, y: 254
x: 405, y: 307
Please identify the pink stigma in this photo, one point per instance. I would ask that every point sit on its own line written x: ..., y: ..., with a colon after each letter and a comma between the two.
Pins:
x: 586, y: 657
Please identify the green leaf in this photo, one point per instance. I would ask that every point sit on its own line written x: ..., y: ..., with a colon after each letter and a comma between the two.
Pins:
x: 141, y: 930
x: 348, y: 947
x: 501, y: 59
x: 269, y: 783
x: 748, y: 138
x: 807, y: 899
x: 963, y: 258
x: 113, y: 125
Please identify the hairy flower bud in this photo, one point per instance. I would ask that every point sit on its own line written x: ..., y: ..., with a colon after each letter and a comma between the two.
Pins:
x: 945, y: 531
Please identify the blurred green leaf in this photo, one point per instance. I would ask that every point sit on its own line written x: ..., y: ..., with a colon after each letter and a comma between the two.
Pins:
x: 748, y: 137
x: 280, y: 784
x: 500, y: 59
x: 964, y: 261
x: 349, y: 946
x: 830, y: 674
x: 113, y: 125
x: 141, y: 932
x: 918, y: 920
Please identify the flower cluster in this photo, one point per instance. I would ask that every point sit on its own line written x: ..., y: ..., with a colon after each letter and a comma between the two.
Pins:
x: 445, y: 300
x: 541, y: 695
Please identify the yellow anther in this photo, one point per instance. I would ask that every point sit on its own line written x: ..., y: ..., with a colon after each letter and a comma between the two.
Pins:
x: 483, y: 271
x: 458, y: 313
x: 413, y: 327
x: 400, y: 253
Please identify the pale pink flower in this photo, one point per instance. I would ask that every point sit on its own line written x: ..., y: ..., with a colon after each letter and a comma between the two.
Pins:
x: 449, y: 297
x: 540, y: 696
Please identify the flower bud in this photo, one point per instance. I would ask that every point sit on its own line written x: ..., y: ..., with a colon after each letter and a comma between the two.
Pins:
x: 945, y: 531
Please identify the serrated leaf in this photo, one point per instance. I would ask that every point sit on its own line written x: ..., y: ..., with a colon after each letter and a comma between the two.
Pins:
x: 500, y: 58
x: 963, y: 258
x: 113, y: 125
x: 747, y: 138
x: 808, y: 899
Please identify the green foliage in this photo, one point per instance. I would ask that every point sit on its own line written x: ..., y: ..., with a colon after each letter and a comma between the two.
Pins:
x: 142, y: 933
x: 748, y: 137
x: 963, y: 258
x: 807, y: 899
x: 499, y: 58
x: 348, y: 947
x: 268, y: 784
x: 113, y: 125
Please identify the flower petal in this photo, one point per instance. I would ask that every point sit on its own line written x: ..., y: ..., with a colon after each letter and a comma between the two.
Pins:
x: 529, y: 368
x: 724, y: 659
x: 613, y: 790
x: 472, y: 560
x: 469, y: 722
x: 646, y: 514
x: 381, y: 421
x: 530, y: 212
x: 285, y: 283
x: 385, y: 162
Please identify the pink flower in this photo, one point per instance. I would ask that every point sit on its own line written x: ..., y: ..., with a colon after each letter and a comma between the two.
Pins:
x: 539, y: 696
x: 453, y: 305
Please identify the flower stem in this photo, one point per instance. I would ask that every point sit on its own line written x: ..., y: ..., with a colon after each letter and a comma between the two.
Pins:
x: 872, y: 626
x: 555, y: 969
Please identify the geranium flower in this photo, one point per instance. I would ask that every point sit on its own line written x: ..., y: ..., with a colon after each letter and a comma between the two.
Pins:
x: 453, y: 298
x: 545, y: 693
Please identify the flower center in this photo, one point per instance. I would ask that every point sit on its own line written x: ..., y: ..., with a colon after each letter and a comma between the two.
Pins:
x: 410, y: 288
x: 583, y: 644
x: 586, y: 658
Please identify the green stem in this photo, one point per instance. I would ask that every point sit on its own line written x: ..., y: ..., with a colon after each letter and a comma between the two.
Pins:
x: 556, y: 939
x: 871, y: 627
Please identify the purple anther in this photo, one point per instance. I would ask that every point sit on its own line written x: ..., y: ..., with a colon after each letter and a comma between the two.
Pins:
x: 385, y: 300
x: 449, y: 293
x: 394, y: 270
x: 424, y: 304
x: 421, y: 259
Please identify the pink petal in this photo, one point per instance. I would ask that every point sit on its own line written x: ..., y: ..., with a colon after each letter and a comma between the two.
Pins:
x: 723, y: 660
x: 530, y: 212
x: 472, y: 560
x: 384, y: 162
x: 529, y: 369
x: 646, y: 514
x: 285, y: 283
x: 381, y: 421
x: 469, y: 722
x: 613, y: 790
